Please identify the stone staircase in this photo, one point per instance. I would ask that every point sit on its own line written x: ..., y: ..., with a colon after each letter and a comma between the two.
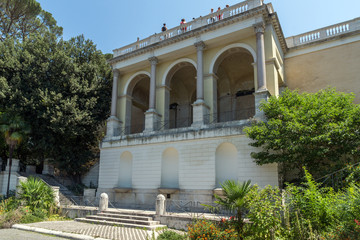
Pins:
x: 66, y: 196
x: 124, y: 218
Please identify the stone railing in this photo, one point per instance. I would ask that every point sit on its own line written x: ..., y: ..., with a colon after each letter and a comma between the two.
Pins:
x: 197, y: 23
x: 324, y: 33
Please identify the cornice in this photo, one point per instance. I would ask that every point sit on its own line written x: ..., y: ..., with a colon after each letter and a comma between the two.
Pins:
x: 262, y: 10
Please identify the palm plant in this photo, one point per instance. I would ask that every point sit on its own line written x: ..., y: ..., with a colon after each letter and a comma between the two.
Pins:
x: 36, y: 194
x: 234, y: 200
x: 14, y: 129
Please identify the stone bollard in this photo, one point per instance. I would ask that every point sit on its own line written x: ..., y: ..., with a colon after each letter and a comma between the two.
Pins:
x: 56, y: 193
x: 104, y: 202
x: 160, y: 205
x: 19, y: 180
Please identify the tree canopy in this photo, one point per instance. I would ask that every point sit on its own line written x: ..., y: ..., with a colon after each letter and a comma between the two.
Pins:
x: 62, y: 89
x: 21, y: 18
x: 320, y: 131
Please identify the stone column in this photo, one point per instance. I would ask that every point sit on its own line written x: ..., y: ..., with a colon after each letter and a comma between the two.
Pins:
x: 262, y: 93
x: 151, y: 116
x: 260, y: 55
x: 200, y: 109
x: 113, y: 123
x: 210, y: 90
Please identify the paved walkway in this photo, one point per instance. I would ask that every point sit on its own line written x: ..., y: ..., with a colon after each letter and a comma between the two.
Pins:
x: 93, y: 230
x: 14, y: 234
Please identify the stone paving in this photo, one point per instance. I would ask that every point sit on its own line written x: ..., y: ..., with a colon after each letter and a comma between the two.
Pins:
x: 14, y: 234
x: 94, y: 230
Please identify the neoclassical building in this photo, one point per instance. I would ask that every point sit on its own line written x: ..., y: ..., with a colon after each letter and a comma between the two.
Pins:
x: 182, y: 98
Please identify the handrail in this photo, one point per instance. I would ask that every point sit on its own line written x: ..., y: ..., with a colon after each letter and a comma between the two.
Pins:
x: 197, y: 23
x: 324, y: 33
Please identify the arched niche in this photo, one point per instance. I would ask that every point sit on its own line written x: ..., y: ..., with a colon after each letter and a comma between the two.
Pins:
x: 236, y: 83
x: 170, y: 168
x: 125, y: 170
x: 226, y: 163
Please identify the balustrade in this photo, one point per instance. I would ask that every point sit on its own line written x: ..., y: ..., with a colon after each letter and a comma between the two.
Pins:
x: 197, y: 23
x: 324, y: 33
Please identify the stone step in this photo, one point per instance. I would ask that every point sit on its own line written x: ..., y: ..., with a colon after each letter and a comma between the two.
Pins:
x: 130, y: 212
x: 125, y: 216
x: 124, y: 220
x: 103, y: 222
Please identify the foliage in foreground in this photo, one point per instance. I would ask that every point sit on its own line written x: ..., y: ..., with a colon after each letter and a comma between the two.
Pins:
x: 308, y: 211
x: 34, y: 204
x: 171, y: 235
x: 319, y: 131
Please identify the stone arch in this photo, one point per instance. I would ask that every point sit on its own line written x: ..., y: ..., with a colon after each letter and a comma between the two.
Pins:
x: 133, y: 80
x: 233, y: 65
x: 226, y: 163
x: 137, y: 87
x: 125, y: 170
x: 170, y: 168
x: 180, y: 79
x: 228, y: 48
x: 170, y: 71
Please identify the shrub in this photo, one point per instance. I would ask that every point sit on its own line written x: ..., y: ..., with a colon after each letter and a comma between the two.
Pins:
x: 170, y: 235
x: 264, y: 213
x: 205, y: 229
x: 36, y: 195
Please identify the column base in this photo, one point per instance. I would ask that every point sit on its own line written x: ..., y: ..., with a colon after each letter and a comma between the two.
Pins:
x: 200, y: 113
x: 260, y: 95
x: 152, y: 119
x: 113, y: 127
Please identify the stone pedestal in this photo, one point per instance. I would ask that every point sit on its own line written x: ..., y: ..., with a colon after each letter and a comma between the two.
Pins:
x: 56, y: 192
x: 152, y: 119
x: 113, y: 127
x: 48, y: 168
x: 31, y: 169
x: 18, y: 185
x: 14, y: 165
x: 262, y: 95
x: 200, y: 114
x: 89, y: 195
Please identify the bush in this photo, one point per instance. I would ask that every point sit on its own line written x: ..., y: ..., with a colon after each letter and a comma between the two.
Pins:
x: 205, y: 229
x: 35, y: 194
x: 170, y: 235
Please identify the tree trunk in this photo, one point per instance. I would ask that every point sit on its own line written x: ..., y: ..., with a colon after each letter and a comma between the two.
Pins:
x: 11, y: 149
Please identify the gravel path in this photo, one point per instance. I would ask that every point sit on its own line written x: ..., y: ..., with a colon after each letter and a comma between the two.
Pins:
x: 94, y: 230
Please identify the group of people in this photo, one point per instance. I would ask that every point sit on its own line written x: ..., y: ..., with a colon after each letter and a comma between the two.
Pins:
x: 183, y: 22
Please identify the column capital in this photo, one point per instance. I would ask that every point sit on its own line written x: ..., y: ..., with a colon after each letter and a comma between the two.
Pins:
x: 153, y: 60
x: 259, y: 27
x: 200, y: 45
x: 116, y: 72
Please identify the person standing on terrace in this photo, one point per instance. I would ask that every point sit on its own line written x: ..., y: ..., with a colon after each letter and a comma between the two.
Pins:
x: 219, y: 16
x: 183, y: 29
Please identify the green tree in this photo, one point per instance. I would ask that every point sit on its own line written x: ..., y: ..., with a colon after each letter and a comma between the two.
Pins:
x: 21, y: 18
x: 63, y: 89
x: 319, y: 131
x: 15, y: 129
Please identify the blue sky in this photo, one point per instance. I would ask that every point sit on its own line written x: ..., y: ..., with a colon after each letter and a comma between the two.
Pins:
x: 115, y: 23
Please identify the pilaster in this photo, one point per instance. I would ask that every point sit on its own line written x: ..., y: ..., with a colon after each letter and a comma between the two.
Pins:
x: 210, y: 94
